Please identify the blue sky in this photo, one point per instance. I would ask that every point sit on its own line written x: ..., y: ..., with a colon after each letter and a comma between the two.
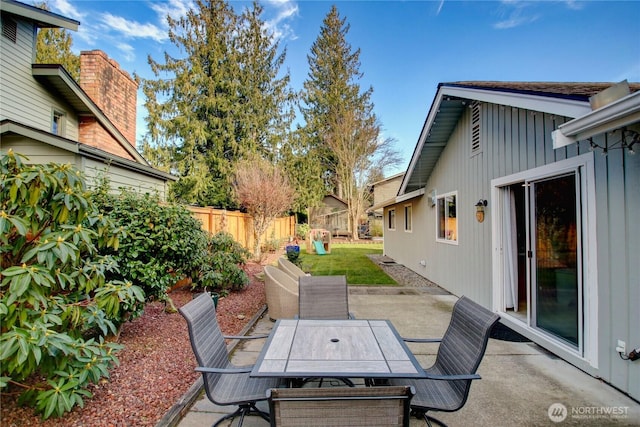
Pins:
x: 407, y: 47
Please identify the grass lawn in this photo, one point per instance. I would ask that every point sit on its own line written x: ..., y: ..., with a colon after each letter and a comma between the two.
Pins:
x: 349, y: 259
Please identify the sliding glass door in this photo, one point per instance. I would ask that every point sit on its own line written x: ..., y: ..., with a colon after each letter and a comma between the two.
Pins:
x: 555, y: 256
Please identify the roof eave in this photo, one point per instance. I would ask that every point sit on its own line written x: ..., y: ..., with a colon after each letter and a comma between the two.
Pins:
x: 398, y: 199
x: 537, y: 102
x: 11, y: 127
x: 615, y: 115
x: 41, y: 17
x: 56, y: 76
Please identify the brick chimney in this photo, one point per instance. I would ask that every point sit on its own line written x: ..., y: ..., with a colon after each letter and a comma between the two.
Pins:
x: 115, y: 93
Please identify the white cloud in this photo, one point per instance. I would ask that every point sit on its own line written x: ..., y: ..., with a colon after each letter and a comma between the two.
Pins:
x: 574, y: 5
x: 172, y: 8
x: 134, y: 29
x: 63, y: 7
x: 285, y: 10
x: 86, y: 34
x: 516, y: 14
x: 440, y: 7
x: 128, y: 51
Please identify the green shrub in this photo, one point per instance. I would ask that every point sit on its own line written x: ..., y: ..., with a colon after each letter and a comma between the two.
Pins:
x: 222, y: 270
x: 302, y: 231
x: 272, y: 244
x: 375, y: 229
x: 163, y: 244
x: 56, y: 300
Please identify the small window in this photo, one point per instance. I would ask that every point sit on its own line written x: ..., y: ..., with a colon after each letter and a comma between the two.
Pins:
x: 407, y: 218
x: 57, y: 123
x: 391, y: 219
x: 447, y: 222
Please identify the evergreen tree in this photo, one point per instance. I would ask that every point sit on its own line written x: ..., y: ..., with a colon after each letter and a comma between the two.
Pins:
x: 304, y: 167
x: 341, y: 126
x: 220, y: 102
x: 53, y: 46
x: 266, y: 100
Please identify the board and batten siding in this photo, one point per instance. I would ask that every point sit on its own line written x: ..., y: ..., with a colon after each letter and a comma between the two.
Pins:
x: 515, y: 140
x: 512, y: 140
x: 24, y: 99
x: 617, y: 177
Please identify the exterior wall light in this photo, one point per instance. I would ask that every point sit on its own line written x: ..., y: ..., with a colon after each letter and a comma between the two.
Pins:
x: 480, y: 209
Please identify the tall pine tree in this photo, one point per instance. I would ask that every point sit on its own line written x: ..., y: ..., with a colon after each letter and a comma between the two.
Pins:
x: 341, y: 126
x: 53, y: 46
x: 218, y: 103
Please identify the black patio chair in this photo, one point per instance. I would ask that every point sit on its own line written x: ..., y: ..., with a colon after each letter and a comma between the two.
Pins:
x: 224, y: 383
x: 323, y: 297
x: 461, y: 349
x: 340, y: 406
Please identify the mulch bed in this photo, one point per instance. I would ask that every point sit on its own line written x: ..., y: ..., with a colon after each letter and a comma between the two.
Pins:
x: 156, y: 366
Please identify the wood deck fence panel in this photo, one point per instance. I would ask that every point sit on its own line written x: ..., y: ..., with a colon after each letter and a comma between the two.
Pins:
x: 240, y: 225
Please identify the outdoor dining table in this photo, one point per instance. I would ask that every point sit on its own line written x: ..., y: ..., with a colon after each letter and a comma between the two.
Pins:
x: 301, y: 348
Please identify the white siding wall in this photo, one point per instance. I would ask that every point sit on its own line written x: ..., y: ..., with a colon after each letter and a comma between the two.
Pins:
x: 24, y: 100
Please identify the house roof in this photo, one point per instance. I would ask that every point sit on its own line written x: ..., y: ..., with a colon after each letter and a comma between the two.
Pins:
x: 56, y: 78
x: 389, y: 178
x: 42, y: 18
x: 333, y: 196
x: 10, y: 127
x: 569, y: 99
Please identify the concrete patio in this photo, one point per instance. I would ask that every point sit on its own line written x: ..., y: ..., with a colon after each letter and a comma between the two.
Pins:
x: 520, y: 380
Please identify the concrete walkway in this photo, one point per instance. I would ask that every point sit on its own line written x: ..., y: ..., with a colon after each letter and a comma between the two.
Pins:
x: 520, y: 380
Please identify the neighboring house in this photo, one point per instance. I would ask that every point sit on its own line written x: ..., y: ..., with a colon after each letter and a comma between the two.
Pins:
x: 384, y: 192
x: 49, y: 117
x: 557, y: 254
x: 332, y: 215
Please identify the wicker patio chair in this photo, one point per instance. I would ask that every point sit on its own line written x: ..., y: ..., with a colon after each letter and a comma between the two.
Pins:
x: 281, y: 292
x: 459, y: 355
x: 323, y: 297
x: 340, y: 406
x: 224, y: 383
x: 290, y: 268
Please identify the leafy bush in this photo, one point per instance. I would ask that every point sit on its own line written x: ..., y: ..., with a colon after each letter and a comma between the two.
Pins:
x: 302, y: 231
x: 375, y: 229
x: 163, y: 244
x: 56, y: 301
x: 221, y: 269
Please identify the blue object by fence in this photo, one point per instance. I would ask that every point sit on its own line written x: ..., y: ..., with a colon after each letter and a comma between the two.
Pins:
x: 319, y: 246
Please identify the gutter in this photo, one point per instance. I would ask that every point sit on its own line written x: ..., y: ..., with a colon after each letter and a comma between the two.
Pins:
x: 620, y: 113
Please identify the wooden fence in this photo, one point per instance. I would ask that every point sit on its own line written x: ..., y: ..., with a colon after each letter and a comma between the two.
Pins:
x: 240, y: 225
